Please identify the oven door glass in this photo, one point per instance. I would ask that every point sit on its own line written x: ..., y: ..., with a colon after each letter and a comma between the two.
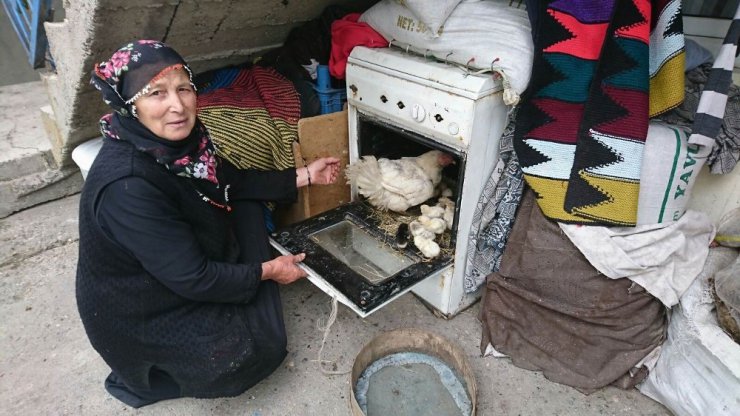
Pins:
x: 374, y: 260
x: 350, y: 254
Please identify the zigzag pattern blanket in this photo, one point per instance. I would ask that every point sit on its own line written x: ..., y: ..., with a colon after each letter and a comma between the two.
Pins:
x: 252, y: 117
x: 601, y: 68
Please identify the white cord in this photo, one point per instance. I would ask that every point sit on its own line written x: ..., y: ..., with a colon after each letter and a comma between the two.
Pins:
x: 326, y: 328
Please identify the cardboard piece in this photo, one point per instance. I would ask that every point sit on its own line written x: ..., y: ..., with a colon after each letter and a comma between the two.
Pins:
x: 320, y: 136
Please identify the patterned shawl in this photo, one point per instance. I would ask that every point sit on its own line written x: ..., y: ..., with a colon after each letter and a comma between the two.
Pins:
x: 128, y: 75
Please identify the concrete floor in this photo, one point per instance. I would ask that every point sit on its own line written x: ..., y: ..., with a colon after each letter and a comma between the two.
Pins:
x: 47, y: 366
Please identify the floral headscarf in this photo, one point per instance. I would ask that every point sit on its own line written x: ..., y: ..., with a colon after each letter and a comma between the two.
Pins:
x: 128, y: 75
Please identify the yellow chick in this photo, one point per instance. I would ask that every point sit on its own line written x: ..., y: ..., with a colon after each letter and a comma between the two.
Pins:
x: 435, y: 225
x: 427, y: 247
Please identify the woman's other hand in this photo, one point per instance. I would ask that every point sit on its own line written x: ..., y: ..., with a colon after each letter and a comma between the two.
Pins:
x: 283, y: 269
x: 324, y: 171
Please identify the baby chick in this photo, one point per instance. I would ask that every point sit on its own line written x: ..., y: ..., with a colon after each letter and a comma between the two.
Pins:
x: 427, y: 247
x: 435, y: 225
x: 424, y: 232
x: 444, y: 190
x: 444, y: 202
x: 402, y: 235
x: 418, y: 230
x: 432, y: 212
x: 449, y: 208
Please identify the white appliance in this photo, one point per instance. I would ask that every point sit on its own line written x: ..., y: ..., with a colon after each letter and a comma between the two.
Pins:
x: 402, y: 105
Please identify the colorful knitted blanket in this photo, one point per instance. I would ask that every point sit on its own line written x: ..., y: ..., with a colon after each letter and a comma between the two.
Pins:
x: 601, y: 68
x: 252, y: 116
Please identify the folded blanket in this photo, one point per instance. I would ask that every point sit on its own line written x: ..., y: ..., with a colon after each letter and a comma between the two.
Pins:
x: 601, y: 69
x: 253, y: 119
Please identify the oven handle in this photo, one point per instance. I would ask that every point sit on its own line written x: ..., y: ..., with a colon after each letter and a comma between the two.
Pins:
x: 325, y: 287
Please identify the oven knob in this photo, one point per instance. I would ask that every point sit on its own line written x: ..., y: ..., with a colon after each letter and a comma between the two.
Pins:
x: 453, y: 128
x: 418, y: 113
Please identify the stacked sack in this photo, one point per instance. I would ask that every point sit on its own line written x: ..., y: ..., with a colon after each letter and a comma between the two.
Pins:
x: 698, y: 372
x: 480, y: 36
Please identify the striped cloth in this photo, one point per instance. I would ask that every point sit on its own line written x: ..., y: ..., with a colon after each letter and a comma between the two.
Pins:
x: 222, y: 78
x: 726, y: 151
x: 713, y: 100
x: 252, y: 118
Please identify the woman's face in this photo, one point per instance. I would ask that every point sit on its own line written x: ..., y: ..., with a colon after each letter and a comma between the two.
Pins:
x: 168, y: 109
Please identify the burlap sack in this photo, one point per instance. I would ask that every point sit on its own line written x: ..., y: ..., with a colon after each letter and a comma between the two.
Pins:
x: 550, y: 310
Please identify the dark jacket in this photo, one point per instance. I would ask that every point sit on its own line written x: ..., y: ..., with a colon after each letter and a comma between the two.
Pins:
x: 159, y: 286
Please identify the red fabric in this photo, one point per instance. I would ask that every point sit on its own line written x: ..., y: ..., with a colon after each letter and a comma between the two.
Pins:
x: 586, y: 40
x: 346, y: 33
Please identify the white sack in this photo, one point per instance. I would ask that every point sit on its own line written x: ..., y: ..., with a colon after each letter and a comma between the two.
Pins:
x: 698, y: 372
x: 432, y: 13
x: 662, y: 258
x: 481, y: 35
x: 670, y: 166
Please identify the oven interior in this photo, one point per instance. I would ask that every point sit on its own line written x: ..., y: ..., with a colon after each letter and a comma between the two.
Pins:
x: 352, y: 247
x: 384, y: 140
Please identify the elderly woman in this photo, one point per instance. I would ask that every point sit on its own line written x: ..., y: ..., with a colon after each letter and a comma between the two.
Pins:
x: 176, y: 287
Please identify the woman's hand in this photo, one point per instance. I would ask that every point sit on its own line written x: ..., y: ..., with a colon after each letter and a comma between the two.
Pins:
x: 323, y: 171
x: 283, y: 269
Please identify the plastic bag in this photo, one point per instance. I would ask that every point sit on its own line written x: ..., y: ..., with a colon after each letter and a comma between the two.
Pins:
x: 698, y: 372
x: 727, y: 289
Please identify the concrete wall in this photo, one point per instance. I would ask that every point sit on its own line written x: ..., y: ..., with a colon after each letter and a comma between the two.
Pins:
x: 207, y: 33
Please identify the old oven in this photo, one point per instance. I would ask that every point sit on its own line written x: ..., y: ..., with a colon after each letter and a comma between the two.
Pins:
x: 403, y: 105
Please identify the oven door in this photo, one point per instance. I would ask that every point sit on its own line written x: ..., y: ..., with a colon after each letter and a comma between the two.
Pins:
x: 351, y: 256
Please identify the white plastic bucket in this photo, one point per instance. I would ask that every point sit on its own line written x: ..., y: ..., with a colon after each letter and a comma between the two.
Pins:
x: 84, y: 154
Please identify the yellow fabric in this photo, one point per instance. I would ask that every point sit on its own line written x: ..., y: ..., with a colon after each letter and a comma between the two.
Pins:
x: 551, y: 198
x: 622, y: 206
x: 250, y: 138
x: 666, y: 87
x: 727, y: 238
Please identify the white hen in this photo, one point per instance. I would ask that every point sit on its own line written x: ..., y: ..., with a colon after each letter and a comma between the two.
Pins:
x: 398, y: 184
